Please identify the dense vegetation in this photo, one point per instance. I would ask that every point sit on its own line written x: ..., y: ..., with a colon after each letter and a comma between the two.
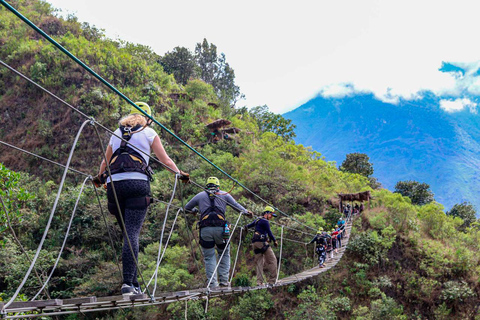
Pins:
x: 404, y: 260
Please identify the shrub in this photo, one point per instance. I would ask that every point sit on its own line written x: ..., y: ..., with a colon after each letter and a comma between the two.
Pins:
x: 456, y: 291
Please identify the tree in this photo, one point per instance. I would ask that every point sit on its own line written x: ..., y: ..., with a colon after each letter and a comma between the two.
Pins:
x: 357, y: 163
x: 466, y: 211
x: 419, y: 193
x: 271, y: 122
x: 215, y: 70
x: 180, y: 62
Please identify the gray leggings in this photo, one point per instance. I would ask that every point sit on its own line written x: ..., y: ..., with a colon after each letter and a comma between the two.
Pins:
x: 133, y: 216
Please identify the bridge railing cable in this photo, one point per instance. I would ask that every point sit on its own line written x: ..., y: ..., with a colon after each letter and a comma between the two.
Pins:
x: 49, y: 219
x: 9, y: 223
x: 67, y: 232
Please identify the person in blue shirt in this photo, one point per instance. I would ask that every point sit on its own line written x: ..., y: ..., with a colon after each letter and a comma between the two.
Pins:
x: 214, y: 228
x: 264, y: 256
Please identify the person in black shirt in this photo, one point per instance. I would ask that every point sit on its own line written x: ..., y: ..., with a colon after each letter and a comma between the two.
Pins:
x: 264, y: 256
x: 321, y: 240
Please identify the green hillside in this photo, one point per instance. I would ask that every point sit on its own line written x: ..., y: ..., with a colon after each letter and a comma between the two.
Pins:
x: 403, y: 261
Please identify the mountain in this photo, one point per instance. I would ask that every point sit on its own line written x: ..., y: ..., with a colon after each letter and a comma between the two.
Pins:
x: 411, y: 140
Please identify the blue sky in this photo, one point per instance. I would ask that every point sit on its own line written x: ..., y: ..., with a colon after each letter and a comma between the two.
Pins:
x: 285, y: 53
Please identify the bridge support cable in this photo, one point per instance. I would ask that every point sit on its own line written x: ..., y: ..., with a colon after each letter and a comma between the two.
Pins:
x: 236, y: 256
x: 79, y: 112
x: 49, y: 219
x: 83, y: 65
x: 108, y: 231
x: 20, y: 244
x: 40, y: 157
x: 155, y: 274
x: 106, y: 129
x: 64, y: 240
x: 280, y: 258
x: 117, y: 203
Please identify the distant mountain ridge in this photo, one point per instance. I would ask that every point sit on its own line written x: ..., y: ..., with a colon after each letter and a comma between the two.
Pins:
x: 413, y: 140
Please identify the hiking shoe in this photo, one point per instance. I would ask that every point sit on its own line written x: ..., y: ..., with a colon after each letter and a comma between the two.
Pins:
x: 224, y: 284
x: 129, y: 290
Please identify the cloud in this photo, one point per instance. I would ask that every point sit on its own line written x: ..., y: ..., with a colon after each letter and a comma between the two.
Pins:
x: 338, y: 90
x: 458, y: 105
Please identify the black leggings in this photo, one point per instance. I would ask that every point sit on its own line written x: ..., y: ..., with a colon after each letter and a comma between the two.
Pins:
x: 133, y: 216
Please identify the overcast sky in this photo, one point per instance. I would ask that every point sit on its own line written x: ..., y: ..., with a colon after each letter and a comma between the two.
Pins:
x: 285, y: 53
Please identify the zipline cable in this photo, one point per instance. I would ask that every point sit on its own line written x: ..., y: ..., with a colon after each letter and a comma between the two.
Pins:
x: 64, y: 240
x: 49, y: 219
x: 83, y: 65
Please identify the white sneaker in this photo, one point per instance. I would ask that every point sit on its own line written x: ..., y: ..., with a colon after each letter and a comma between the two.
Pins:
x: 128, y: 290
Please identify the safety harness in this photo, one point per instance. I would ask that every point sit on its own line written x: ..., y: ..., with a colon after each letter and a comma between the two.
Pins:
x: 127, y: 159
x: 213, y: 216
x: 260, y: 237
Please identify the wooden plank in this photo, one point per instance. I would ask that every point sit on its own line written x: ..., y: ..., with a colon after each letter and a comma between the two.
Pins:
x: 135, y: 297
x: 112, y: 298
x: 79, y: 301
x: 35, y: 304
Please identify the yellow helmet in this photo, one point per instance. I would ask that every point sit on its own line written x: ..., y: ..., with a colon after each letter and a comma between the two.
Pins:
x: 213, y: 181
x: 142, y: 105
x: 269, y: 209
x: 320, y: 230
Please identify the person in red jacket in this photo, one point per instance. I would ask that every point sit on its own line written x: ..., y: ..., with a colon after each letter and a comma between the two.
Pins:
x: 334, y: 235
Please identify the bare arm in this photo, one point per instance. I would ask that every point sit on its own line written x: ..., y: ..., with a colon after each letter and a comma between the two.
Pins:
x: 108, y: 155
x: 159, y: 151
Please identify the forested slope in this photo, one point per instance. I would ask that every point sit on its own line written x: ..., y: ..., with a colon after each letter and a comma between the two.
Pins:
x: 403, y: 261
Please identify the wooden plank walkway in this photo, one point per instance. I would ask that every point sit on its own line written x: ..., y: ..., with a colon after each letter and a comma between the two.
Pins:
x: 44, y: 308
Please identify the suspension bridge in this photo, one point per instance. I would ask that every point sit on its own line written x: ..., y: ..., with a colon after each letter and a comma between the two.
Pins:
x: 13, y: 309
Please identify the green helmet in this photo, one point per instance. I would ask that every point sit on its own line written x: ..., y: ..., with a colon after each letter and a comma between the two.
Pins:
x: 213, y: 181
x: 145, y: 107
